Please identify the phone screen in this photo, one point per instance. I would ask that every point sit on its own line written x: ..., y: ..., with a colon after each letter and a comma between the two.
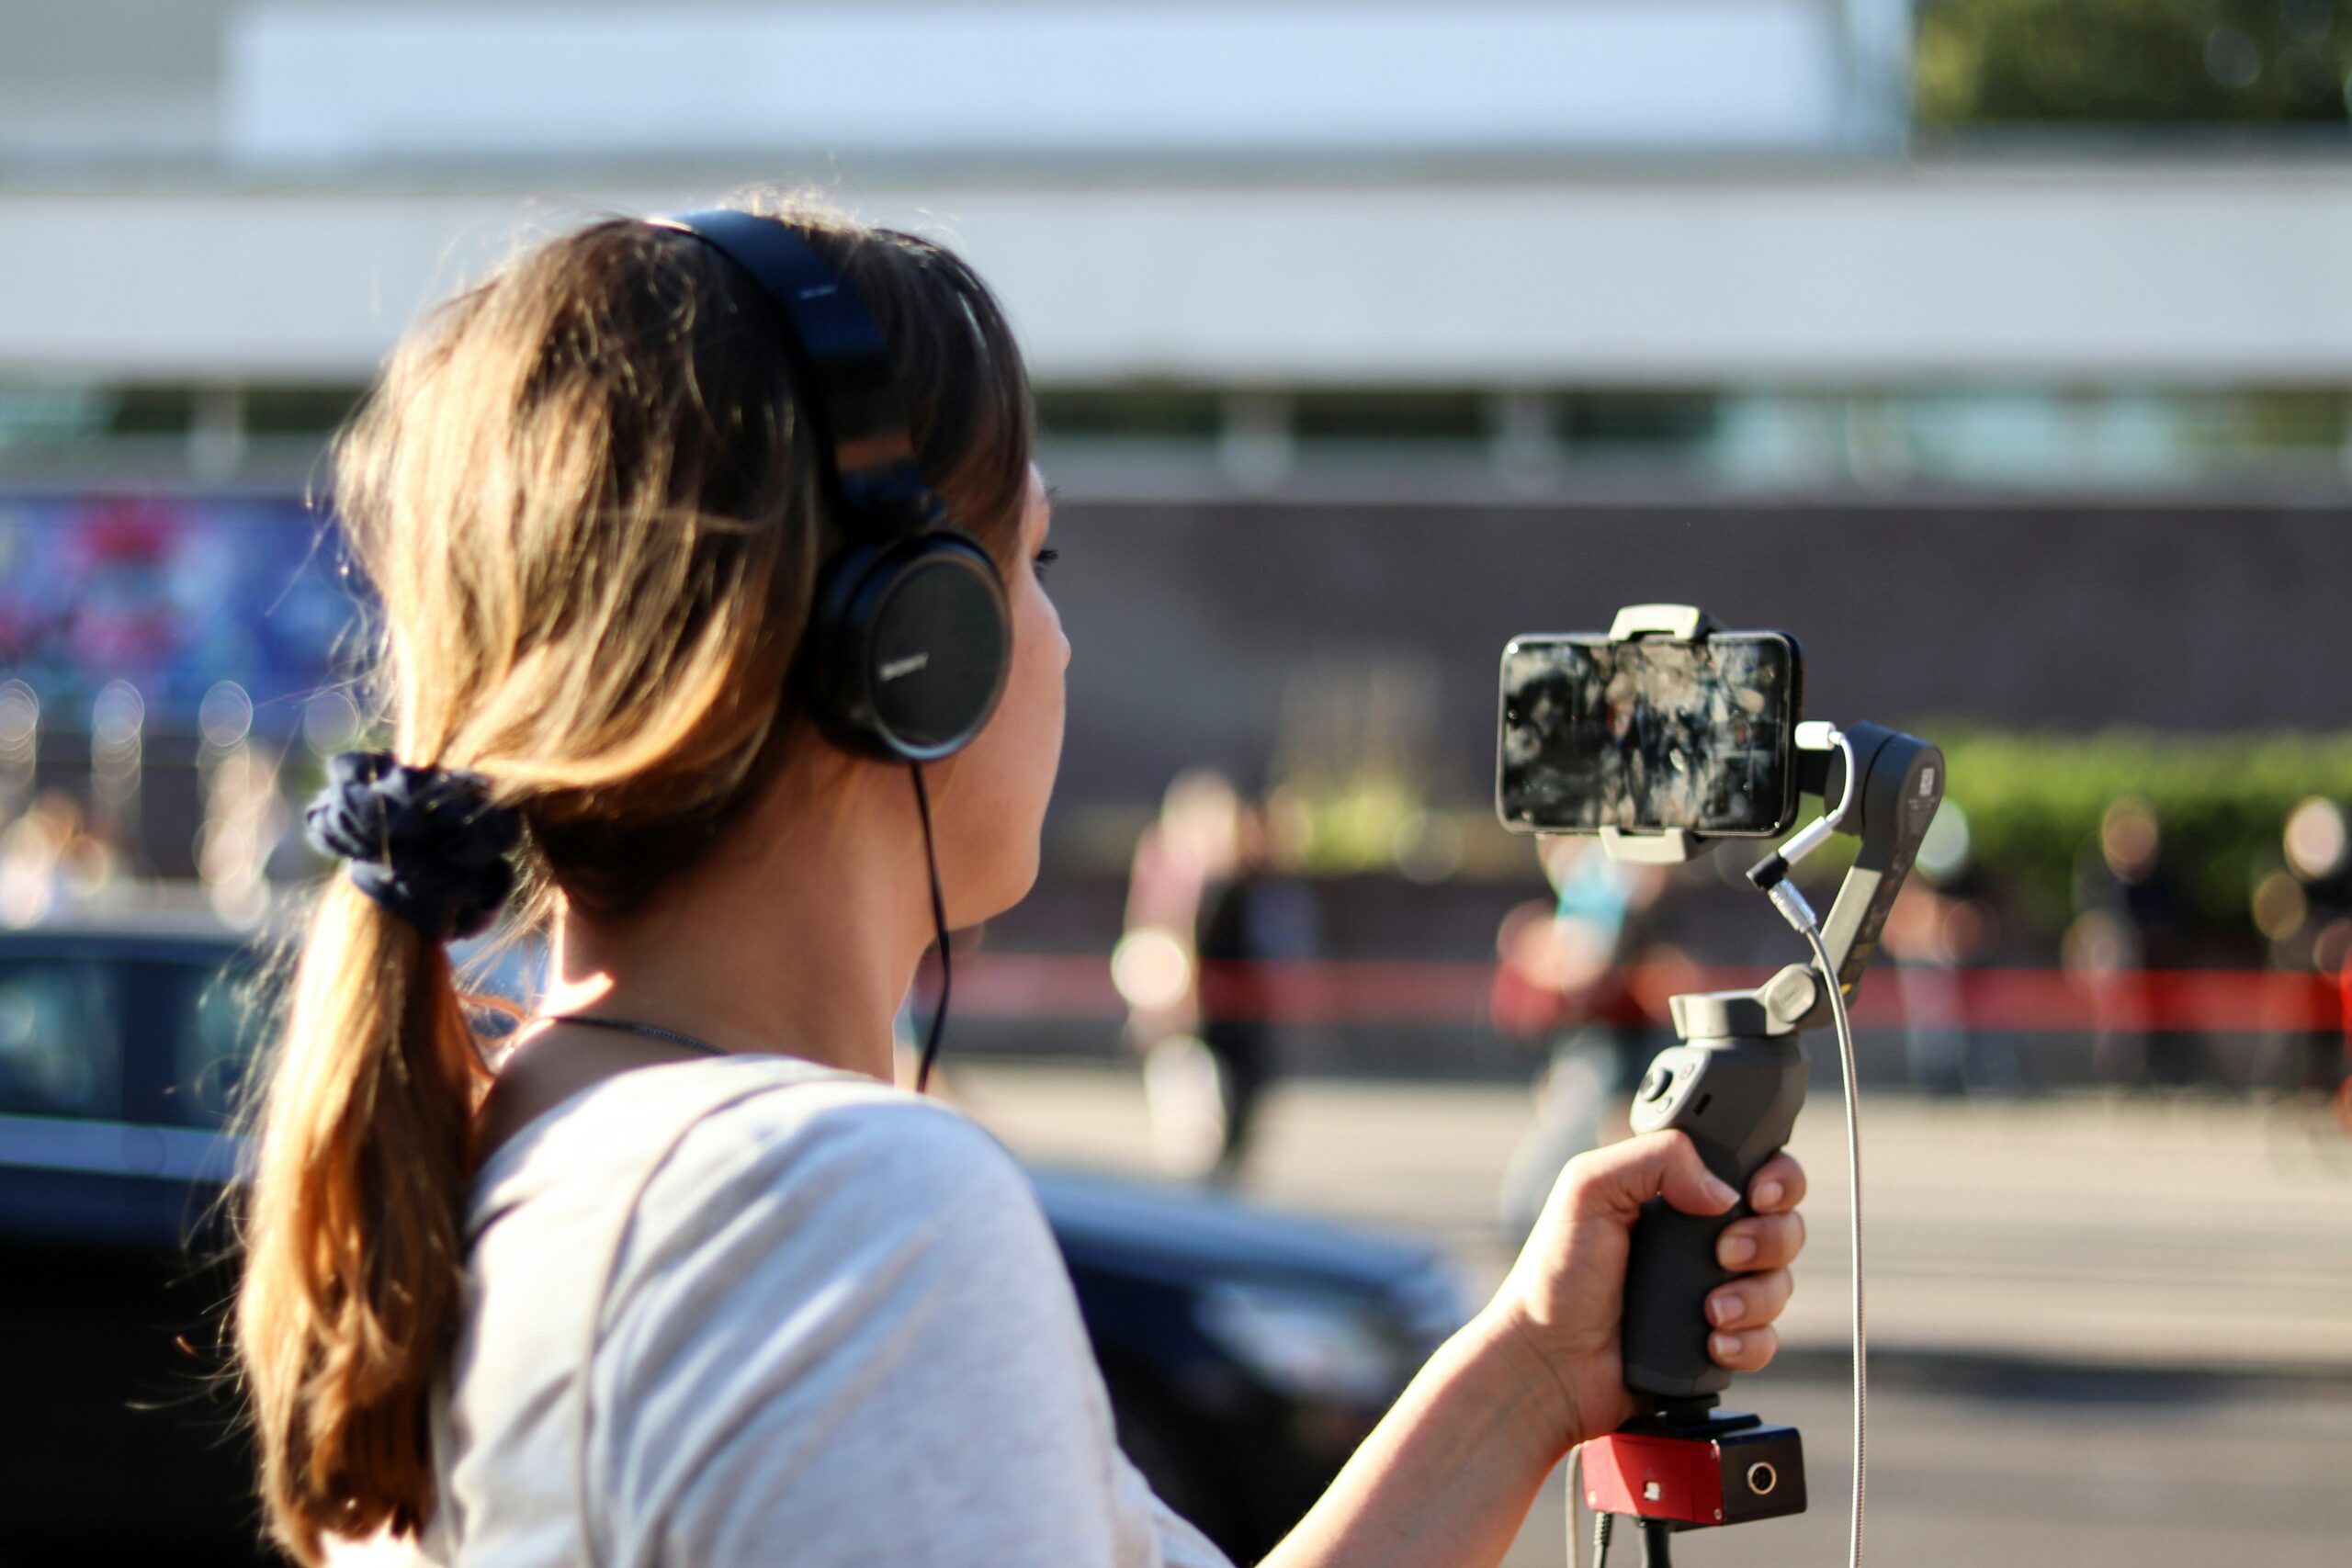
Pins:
x: 1648, y: 734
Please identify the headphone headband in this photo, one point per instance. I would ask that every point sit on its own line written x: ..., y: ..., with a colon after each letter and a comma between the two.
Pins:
x: 847, y: 383
x: 910, y: 633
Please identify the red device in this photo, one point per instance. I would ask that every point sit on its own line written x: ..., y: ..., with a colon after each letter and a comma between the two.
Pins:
x: 1723, y: 1471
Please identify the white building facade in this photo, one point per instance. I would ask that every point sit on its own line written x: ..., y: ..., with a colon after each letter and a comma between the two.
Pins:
x: 1502, y: 244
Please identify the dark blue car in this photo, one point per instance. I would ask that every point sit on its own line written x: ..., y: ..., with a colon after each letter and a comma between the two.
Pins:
x: 1247, y: 1352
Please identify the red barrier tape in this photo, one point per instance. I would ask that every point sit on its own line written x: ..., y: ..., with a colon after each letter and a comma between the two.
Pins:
x: 1431, y: 992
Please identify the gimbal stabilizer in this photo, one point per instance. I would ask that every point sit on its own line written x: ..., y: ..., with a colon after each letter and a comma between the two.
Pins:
x: 1734, y: 1084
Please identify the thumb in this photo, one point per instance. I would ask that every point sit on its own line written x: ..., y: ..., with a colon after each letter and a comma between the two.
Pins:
x: 1625, y: 1176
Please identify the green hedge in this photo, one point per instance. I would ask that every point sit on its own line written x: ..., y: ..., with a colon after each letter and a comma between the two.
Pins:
x: 2034, y: 803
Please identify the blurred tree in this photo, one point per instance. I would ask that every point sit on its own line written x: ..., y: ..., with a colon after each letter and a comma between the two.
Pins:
x: 2035, y: 801
x: 2132, y: 61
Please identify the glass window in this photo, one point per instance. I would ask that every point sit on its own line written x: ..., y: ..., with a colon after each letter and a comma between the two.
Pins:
x: 60, y: 1040
x: 1398, y: 417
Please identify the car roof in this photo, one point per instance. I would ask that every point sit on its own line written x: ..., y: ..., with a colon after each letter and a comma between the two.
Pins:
x: 131, y: 925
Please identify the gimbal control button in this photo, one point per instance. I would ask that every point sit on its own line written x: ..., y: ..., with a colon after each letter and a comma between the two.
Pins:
x: 1790, y: 994
x: 1655, y: 1082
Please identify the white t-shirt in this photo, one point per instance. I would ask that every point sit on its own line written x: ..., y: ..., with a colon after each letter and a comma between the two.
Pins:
x: 825, y: 1323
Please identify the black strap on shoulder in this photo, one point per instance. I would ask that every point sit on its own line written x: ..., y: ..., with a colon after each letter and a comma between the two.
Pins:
x: 848, y: 385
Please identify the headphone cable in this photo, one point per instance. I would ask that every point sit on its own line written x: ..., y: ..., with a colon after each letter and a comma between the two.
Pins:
x: 939, y: 923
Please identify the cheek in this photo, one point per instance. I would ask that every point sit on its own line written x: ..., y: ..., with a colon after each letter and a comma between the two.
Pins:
x: 1033, y: 698
x: 1039, y: 652
x: 1048, y: 652
x: 1007, y: 775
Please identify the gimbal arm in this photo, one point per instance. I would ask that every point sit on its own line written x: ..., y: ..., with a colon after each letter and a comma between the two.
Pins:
x: 1901, y: 784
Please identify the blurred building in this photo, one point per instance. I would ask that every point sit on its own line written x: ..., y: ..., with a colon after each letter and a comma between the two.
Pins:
x: 1518, y: 247
x: 1509, y: 304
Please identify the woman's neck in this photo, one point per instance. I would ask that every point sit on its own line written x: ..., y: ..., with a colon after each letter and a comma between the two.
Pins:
x: 803, y: 943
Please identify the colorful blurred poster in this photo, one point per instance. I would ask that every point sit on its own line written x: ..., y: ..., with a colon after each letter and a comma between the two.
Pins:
x: 173, y: 595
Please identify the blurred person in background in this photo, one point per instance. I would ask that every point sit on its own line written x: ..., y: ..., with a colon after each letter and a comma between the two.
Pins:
x: 1257, y: 916
x: 1581, y: 979
x: 2303, y: 910
x: 1192, y: 843
x: 1210, y: 903
x: 50, y: 858
x: 1942, y: 925
x: 2133, y: 917
x: 679, y: 1276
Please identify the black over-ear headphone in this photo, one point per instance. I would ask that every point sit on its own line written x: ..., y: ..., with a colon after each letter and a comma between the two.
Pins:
x: 909, y: 640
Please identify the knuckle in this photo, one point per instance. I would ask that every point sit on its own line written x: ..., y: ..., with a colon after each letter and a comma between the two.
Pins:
x: 1584, y: 1185
x: 1580, y: 1173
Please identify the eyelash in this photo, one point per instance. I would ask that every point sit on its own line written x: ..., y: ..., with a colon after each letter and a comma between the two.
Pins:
x: 1044, y: 560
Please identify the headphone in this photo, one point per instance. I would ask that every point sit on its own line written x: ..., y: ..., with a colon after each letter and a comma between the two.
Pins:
x: 909, y: 638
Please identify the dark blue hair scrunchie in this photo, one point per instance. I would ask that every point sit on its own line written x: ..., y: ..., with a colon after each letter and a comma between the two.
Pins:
x: 426, y: 843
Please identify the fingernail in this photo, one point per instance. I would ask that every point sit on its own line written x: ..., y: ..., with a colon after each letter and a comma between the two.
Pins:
x: 1720, y: 1191
x: 1723, y: 1346
x: 1728, y: 1308
x: 1737, y: 1249
x: 1768, y: 1194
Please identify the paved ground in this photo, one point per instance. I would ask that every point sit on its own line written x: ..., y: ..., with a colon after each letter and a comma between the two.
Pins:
x: 2107, y: 1332
x: 2186, y: 1233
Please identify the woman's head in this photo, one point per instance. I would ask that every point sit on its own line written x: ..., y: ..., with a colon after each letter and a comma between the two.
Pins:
x: 591, y: 511
x: 591, y: 516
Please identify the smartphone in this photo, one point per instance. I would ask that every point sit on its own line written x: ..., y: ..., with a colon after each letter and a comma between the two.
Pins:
x: 1649, y: 735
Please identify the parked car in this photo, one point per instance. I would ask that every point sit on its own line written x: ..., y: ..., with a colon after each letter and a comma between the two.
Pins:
x: 1247, y: 1352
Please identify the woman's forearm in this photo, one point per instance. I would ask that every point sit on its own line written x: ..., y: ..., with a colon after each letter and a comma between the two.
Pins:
x: 1446, y: 1479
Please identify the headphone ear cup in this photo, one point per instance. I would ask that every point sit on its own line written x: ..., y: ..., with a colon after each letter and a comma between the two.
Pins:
x: 909, y: 647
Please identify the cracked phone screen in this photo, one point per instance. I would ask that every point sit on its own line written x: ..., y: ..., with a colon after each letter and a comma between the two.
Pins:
x: 1648, y: 734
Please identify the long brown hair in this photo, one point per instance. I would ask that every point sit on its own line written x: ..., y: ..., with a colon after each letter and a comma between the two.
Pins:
x: 589, y: 515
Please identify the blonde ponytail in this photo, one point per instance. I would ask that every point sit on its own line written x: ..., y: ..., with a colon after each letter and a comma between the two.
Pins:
x: 352, y: 1228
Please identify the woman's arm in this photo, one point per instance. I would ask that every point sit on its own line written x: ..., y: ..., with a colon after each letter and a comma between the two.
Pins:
x: 1446, y: 1479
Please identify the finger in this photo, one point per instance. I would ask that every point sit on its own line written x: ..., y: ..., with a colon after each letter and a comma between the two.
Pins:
x: 1751, y: 1301
x: 1779, y: 1185
x: 1624, y: 1177
x: 1746, y: 1351
x: 1766, y: 1241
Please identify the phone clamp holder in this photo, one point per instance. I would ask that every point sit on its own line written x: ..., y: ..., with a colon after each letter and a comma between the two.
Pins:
x: 1674, y: 623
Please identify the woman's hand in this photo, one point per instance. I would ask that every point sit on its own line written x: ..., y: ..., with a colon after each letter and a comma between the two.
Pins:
x: 1561, y: 1308
x: 1446, y: 1478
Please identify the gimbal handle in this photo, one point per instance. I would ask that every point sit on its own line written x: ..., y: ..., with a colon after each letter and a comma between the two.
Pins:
x: 1736, y: 1082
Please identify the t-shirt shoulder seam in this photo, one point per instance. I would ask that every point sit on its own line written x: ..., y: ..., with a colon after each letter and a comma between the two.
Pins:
x: 935, y: 1133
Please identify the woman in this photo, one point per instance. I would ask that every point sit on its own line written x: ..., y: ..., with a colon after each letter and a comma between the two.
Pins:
x: 685, y: 1281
